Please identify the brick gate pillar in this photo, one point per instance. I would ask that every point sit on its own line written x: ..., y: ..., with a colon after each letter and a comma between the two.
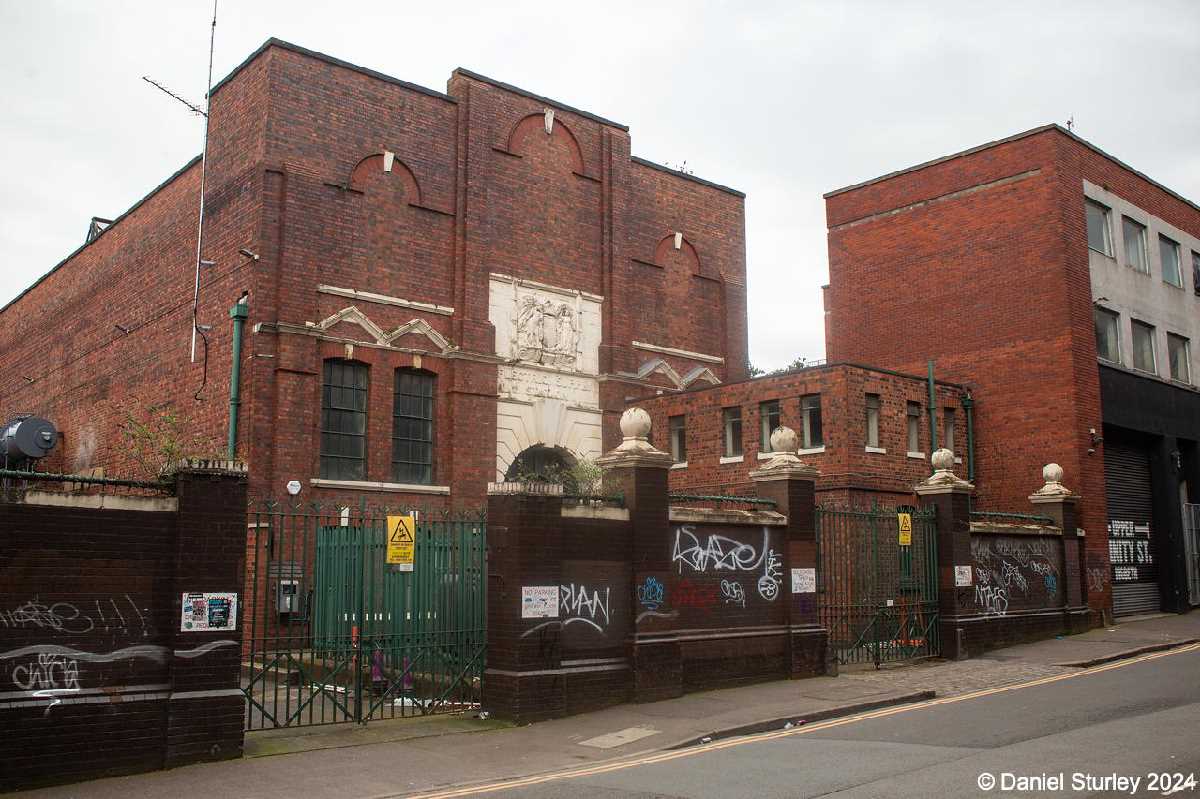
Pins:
x: 206, y: 711
x: 950, y: 497
x: 639, y: 471
x: 1059, y: 503
x: 791, y: 483
x: 523, y: 681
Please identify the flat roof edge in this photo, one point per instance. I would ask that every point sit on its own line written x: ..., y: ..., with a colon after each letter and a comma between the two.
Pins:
x: 540, y: 98
x: 1016, y: 137
x: 103, y: 233
x: 328, y: 59
x: 677, y: 173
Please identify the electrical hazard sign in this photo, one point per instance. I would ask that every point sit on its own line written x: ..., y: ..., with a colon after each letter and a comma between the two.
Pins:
x: 401, y: 542
x: 905, y: 520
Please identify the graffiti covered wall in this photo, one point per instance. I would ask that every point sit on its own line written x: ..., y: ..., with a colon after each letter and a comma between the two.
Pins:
x: 97, y: 675
x: 1017, y: 573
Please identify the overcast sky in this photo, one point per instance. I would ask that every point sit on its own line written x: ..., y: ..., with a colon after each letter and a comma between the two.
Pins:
x: 784, y: 101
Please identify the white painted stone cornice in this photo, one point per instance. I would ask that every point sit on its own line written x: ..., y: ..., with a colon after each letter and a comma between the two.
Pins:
x: 383, y: 299
x: 659, y: 366
x: 695, y: 356
x: 422, y: 328
x: 701, y: 373
x: 352, y: 315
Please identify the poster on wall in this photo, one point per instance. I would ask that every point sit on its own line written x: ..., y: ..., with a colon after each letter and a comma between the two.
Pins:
x: 804, y: 581
x: 962, y: 576
x: 204, y: 612
x: 539, y: 602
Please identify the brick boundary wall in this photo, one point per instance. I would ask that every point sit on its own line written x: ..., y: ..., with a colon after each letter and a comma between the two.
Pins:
x: 1008, y: 597
x: 97, y: 678
x: 644, y: 602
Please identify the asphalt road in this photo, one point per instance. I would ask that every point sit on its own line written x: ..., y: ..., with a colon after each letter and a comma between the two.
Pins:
x: 1126, y: 720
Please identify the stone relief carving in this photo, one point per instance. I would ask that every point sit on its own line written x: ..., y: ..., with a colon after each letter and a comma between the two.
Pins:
x: 546, y: 333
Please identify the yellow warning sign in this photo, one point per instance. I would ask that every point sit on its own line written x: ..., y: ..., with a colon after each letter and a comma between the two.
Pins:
x: 401, y: 542
x: 905, y: 520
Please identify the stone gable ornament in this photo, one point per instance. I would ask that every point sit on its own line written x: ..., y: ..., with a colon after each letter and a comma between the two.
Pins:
x: 635, y: 447
x: 943, y: 474
x: 1052, y: 474
x: 784, y: 445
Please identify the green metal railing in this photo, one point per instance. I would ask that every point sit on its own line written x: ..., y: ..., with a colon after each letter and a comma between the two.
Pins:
x: 721, y: 499
x: 877, y: 586
x: 1001, y: 516
x: 10, y: 475
x: 334, y: 633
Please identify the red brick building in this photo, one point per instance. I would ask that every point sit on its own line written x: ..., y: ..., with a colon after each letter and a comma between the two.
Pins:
x: 1004, y: 264
x: 437, y: 283
x: 865, y: 429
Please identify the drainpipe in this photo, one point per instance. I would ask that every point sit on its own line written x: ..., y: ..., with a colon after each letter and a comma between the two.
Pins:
x: 238, y: 313
x: 969, y: 406
x: 933, y: 436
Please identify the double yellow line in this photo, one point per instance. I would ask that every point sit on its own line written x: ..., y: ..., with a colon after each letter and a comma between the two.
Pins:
x: 663, y: 757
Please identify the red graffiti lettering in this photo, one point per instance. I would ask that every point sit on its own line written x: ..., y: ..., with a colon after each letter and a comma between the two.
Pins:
x: 695, y: 595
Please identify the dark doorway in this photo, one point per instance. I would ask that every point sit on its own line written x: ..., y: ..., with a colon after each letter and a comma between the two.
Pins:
x: 544, y: 465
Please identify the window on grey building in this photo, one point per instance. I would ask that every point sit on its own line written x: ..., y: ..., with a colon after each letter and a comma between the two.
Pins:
x: 1169, y: 253
x: 1143, y: 347
x: 873, y: 420
x: 768, y: 417
x: 913, y: 428
x: 1178, y: 355
x: 344, y: 420
x: 731, y: 419
x: 810, y: 408
x: 677, y: 431
x: 1134, y: 234
x: 948, y: 423
x: 1108, y: 338
x: 412, y: 427
x: 1196, y: 272
x: 1099, y: 233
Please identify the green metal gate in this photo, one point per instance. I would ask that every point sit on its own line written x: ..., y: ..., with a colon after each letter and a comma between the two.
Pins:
x: 877, y: 587
x: 334, y: 633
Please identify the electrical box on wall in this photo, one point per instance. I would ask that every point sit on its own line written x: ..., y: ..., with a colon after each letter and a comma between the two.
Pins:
x: 287, y: 600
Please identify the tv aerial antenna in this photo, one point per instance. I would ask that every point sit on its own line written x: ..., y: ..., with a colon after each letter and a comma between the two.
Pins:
x: 197, y: 328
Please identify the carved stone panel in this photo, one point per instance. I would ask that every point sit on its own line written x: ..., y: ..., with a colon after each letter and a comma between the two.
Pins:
x: 545, y: 325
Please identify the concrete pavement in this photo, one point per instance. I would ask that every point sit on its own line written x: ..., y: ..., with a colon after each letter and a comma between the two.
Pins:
x: 1112, y: 730
x: 400, y: 757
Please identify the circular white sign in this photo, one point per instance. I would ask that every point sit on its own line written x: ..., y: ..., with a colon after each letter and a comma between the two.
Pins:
x: 293, y: 487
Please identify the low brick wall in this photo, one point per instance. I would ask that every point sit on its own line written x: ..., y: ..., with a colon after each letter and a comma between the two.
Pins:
x: 1020, y: 590
x: 597, y: 605
x: 97, y: 678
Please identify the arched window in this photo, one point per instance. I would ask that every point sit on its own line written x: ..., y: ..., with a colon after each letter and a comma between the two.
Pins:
x: 412, y: 427
x: 344, y: 420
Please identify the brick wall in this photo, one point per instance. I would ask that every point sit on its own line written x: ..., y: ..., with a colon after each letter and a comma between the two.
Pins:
x: 98, y: 678
x: 982, y: 260
x: 299, y: 143
x: 646, y: 601
x: 847, y: 469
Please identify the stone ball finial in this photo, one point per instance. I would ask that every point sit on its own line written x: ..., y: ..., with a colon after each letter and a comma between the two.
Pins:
x: 635, y: 423
x: 784, y: 439
x: 942, y: 460
x: 1052, y: 473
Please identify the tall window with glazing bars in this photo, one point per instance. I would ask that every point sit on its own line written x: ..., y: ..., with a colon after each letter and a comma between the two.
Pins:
x: 412, y: 427
x: 344, y: 420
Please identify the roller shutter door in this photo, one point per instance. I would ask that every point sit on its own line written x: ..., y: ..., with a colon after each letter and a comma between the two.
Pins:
x: 1130, y: 530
